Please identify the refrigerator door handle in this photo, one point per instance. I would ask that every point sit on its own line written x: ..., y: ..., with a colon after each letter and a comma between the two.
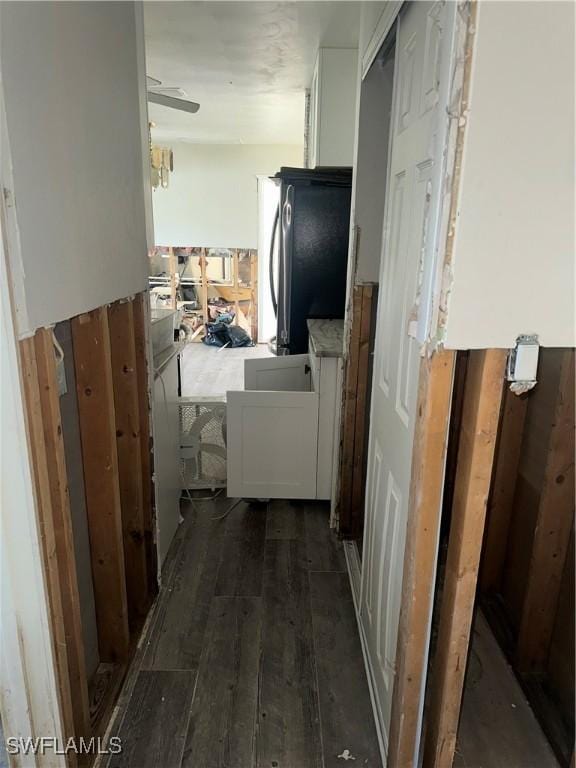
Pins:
x: 271, y: 275
x: 285, y: 269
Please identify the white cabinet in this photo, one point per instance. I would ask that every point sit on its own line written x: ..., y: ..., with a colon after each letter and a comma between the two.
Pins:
x: 333, y: 107
x: 283, y: 428
x: 167, y: 481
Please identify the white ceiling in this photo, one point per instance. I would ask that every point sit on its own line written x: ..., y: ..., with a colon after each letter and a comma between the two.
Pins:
x: 247, y: 63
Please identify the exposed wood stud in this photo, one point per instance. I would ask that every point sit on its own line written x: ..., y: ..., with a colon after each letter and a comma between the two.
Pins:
x: 43, y: 495
x: 552, y: 531
x: 501, y: 499
x: 481, y: 410
x: 127, y: 417
x: 141, y: 342
x: 424, y: 514
x: 63, y: 533
x: 362, y: 397
x: 349, y: 418
x: 254, y: 296
x: 235, y: 278
x: 204, y: 284
x: 91, y: 339
x: 355, y: 413
x: 173, y: 268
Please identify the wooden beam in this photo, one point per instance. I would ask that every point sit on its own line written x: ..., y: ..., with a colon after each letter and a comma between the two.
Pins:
x: 62, y: 526
x: 51, y: 565
x: 348, y: 430
x: 481, y: 410
x: 235, y: 277
x: 361, y: 418
x: 254, y: 295
x: 552, y: 531
x: 127, y: 413
x: 424, y: 514
x: 204, y: 285
x: 141, y: 342
x: 173, y: 267
x: 91, y: 339
x: 500, y: 503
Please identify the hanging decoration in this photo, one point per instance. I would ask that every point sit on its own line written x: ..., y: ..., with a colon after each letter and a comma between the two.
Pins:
x: 162, y: 165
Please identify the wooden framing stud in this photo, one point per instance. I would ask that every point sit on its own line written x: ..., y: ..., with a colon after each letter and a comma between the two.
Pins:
x: 63, y: 532
x: 204, y: 285
x: 173, y: 267
x: 92, y: 362
x: 254, y: 296
x: 482, y: 399
x: 355, y: 413
x: 43, y: 492
x: 127, y: 417
x: 424, y: 514
x: 501, y: 499
x: 552, y: 531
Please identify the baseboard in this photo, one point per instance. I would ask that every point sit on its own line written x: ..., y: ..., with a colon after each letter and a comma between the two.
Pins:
x: 355, y: 575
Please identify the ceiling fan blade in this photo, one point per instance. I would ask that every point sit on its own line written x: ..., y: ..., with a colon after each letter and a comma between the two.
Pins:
x: 170, y: 101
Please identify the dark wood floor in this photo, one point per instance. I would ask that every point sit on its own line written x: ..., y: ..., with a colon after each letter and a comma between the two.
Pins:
x: 252, y: 656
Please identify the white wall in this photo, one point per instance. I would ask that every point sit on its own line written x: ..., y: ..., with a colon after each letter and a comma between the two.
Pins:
x: 212, y: 198
x: 513, y: 265
x: 71, y: 74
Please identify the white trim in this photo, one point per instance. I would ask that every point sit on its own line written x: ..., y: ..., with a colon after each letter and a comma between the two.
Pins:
x: 28, y: 687
x: 381, y: 30
x: 350, y: 566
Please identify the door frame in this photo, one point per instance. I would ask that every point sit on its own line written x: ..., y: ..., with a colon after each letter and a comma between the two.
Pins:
x: 431, y: 429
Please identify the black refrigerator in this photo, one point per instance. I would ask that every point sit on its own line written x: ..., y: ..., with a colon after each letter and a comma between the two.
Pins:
x: 310, y: 237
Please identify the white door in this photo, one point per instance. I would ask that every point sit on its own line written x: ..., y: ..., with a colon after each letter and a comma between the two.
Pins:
x: 418, y: 132
x: 272, y: 431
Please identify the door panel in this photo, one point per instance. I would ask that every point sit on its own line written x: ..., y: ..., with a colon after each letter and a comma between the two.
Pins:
x: 272, y: 444
x: 418, y: 134
x: 288, y: 373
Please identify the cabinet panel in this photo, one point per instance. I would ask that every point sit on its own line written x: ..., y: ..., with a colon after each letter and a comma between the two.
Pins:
x: 166, y: 456
x: 288, y: 373
x: 272, y: 444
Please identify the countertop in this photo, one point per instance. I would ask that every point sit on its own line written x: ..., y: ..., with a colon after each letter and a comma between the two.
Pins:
x: 163, y: 358
x: 326, y: 337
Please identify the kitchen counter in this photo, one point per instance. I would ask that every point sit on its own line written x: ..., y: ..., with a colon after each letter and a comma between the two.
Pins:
x: 163, y: 358
x: 326, y: 337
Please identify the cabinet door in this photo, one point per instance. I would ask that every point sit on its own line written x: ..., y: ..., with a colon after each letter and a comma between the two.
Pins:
x: 272, y: 444
x: 288, y: 373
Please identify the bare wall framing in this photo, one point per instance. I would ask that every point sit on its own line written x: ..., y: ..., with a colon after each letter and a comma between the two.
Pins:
x: 111, y: 403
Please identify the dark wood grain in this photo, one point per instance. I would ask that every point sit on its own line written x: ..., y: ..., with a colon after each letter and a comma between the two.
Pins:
x: 345, y: 707
x: 324, y: 551
x: 223, y: 720
x: 285, y: 520
x: 242, y: 556
x: 154, y: 728
x: 178, y: 636
x: 288, y: 733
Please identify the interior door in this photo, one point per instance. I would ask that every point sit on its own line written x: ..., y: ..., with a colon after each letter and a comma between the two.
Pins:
x: 285, y: 373
x: 418, y: 131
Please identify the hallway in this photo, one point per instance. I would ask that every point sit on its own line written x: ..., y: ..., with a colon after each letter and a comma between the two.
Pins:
x: 252, y: 655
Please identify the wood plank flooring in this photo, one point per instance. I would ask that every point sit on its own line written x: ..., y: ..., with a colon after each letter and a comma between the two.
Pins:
x: 252, y: 657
